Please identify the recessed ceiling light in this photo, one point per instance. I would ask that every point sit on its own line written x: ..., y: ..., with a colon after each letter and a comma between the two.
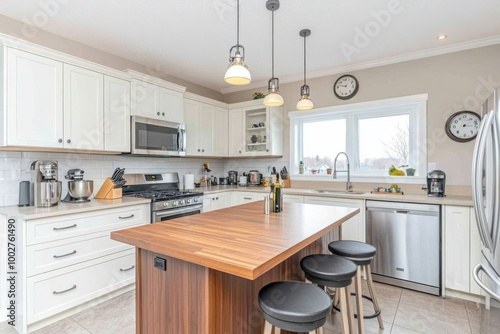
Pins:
x: 442, y: 37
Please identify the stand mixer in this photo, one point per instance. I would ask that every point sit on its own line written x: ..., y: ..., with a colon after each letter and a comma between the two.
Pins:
x: 79, y: 190
x: 45, y: 189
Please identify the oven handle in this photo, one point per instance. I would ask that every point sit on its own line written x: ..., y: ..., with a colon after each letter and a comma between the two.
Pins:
x: 172, y: 212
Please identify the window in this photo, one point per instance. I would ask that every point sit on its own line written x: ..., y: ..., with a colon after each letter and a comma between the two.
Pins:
x: 375, y: 135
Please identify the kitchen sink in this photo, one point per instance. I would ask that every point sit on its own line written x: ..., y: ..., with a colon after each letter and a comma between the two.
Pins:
x: 337, y: 192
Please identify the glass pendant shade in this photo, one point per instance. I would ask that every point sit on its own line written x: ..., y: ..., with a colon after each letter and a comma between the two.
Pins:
x: 273, y: 98
x: 305, y: 103
x: 237, y: 72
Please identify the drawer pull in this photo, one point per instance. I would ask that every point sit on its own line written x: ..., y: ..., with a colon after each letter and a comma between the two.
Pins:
x: 63, y: 228
x: 402, y: 211
x: 127, y: 217
x: 247, y: 197
x: 71, y: 253
x: 127, y: 268
x: 59, y: 292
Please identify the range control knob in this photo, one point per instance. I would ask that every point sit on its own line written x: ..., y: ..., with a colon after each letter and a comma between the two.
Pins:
x: 174, y: 203
x: 195, y: 199
x: 188, y: 201
x: 181, y: 201
x: 165, y: 203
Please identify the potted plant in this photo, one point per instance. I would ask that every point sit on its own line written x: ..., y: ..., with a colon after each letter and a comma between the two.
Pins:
x: 258, y: 95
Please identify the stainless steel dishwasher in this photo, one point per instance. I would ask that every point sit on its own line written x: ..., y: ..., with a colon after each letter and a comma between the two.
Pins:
x: 408, y: 241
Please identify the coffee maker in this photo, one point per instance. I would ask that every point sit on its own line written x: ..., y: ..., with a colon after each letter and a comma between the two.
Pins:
x: 435, y: 183
x: 233, y: 177
x: 45, y: 188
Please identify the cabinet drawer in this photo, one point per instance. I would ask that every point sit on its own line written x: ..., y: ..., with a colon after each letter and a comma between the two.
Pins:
x: 56, y: 228
x: 45, y: 257
x: 49, y: 294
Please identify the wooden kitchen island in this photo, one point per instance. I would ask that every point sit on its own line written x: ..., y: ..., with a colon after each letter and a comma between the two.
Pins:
x: 216, y: 263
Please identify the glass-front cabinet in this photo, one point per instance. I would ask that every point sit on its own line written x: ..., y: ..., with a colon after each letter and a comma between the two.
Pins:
x: 255, y: 130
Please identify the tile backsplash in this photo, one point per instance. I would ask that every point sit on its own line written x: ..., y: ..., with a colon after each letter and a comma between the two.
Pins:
x: 14, y: 167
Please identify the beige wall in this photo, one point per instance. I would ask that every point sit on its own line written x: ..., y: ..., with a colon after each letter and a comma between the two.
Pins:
x: 454, y: 82
x: 15, y: 28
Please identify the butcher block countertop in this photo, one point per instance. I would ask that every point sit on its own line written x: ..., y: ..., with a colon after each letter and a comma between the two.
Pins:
x: 239, y: 240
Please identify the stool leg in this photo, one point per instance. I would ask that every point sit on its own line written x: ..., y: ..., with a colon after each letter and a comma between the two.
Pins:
x: 277, y: 330
x: 350, y: 313
x: 268, y: 328
x: 368, y: 271
x: 343, y: 307
x: 336, y: 299
x: 359, y: 301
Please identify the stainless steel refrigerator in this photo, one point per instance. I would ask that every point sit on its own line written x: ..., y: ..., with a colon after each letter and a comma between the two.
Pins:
x: 486, y: 196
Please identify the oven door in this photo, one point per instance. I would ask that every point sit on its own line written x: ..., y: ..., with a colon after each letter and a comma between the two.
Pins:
x: 160, y: 216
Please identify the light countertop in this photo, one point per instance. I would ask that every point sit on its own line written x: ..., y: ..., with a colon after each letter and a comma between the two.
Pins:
x: 31, y: 212
x: 407, y: 198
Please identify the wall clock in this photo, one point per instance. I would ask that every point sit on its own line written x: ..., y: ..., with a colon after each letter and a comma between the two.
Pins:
x: 462, y: 126
x: 346, y: 87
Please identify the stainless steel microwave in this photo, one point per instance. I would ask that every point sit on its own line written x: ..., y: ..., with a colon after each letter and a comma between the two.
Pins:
x: 155, y: 137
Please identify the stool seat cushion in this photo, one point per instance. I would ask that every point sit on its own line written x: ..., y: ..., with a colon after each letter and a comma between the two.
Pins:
x: 352, y: 249
x: 293, y: 301
x: 328, y: 267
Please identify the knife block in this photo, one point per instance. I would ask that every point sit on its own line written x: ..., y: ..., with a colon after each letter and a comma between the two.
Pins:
x: 286, y: 183
x: 108, y: 191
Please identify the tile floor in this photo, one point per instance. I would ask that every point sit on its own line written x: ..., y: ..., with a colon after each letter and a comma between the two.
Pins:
x: 403, y: 312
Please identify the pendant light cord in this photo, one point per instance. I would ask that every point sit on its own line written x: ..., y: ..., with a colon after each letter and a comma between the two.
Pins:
x: 304, y: 60
x: 238, y: 24
x: 272, y: 41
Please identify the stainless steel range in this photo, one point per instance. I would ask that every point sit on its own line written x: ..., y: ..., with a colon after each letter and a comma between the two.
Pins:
x: 167, y: 201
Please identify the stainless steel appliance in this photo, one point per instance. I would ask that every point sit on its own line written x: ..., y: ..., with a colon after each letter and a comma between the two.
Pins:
x: 45, y: 188
x: 486, y: 197
x: 167, y: 200
x: 154, y: 137
x: 436, y: 181
x: 408, y: 241
x: 254, y: 178
x: 233, y: 177
x: 79, y: 190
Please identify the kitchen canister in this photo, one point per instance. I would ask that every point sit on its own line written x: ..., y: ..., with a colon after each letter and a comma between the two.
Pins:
x: 188, y: 181
x: 24, y: 193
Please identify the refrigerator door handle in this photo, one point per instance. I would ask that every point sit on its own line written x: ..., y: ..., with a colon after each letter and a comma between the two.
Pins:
x: 496, y: 183
x: 477, y: 180
x: 475, y: 274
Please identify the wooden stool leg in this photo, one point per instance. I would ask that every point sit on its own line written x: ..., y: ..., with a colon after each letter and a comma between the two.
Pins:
x: 359, y: 301
x: 277, y: 330
x: 368, y: 271
x: 343, y: 306
x: 268, y: 328
x: 350, y: 313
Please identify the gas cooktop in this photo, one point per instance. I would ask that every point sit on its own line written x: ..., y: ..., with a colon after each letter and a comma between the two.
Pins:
x: 163, y: 195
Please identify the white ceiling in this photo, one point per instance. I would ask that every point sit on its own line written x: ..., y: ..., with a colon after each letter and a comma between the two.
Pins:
x: 190, y: 39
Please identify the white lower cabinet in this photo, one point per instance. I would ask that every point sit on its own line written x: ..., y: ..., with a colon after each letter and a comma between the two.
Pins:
x: 292, y: 198
x: 68, y: 260
x: 216, y: 201
x: 354, y: 228
x: 462, y: 248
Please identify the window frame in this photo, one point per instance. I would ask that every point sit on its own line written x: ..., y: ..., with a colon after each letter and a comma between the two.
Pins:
x: 414, y: 105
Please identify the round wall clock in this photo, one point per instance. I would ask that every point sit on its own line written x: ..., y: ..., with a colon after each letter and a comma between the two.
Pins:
x: 462, y: 126
x: 346, y: 87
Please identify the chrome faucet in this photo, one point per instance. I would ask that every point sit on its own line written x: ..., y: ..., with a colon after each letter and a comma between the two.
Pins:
x: 348, y: 185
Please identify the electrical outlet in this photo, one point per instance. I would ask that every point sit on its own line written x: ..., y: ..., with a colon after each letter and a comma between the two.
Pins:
x: 160, y: 263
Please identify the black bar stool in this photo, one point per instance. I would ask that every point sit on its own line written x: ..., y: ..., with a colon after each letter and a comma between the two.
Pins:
x: 294, y: 306
x: 336, y: 272
x: 361, y: 254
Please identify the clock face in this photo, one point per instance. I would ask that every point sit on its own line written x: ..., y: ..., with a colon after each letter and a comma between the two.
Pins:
x: 346, y: 87
x: 463, y: 126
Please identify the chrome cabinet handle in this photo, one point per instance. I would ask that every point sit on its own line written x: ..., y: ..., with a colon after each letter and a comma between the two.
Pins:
x: 158, y: 113
x: 132, y: 267
x: 63, y: 228
x: 488, y: 273
x: 126, y: 217
x: 199, y: 150
x: 247, y: 197
x: 60, y: 140
x: 68, y: 141
x: 203, y: 150
x: 59, y: 292
x: 59, y: 256
x: 402, y: 211
x: 163, y: 114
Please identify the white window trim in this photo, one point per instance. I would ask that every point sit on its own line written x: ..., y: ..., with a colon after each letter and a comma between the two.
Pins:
x: 419, y: 142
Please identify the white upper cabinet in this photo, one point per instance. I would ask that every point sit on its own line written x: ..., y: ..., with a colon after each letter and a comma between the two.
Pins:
x: 116, y: 114
x: 32, y: 100
x: 83, y: 109
x: 255, y: 130
x: 154, y: 98
x: 206, y: 128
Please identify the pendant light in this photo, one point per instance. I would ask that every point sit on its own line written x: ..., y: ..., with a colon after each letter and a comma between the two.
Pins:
x: 273, y: 98
x: 237, y: 73
x: 304, y: 103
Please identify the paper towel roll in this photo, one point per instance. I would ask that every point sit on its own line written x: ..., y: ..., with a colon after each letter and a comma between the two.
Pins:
x: 188, y: 181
